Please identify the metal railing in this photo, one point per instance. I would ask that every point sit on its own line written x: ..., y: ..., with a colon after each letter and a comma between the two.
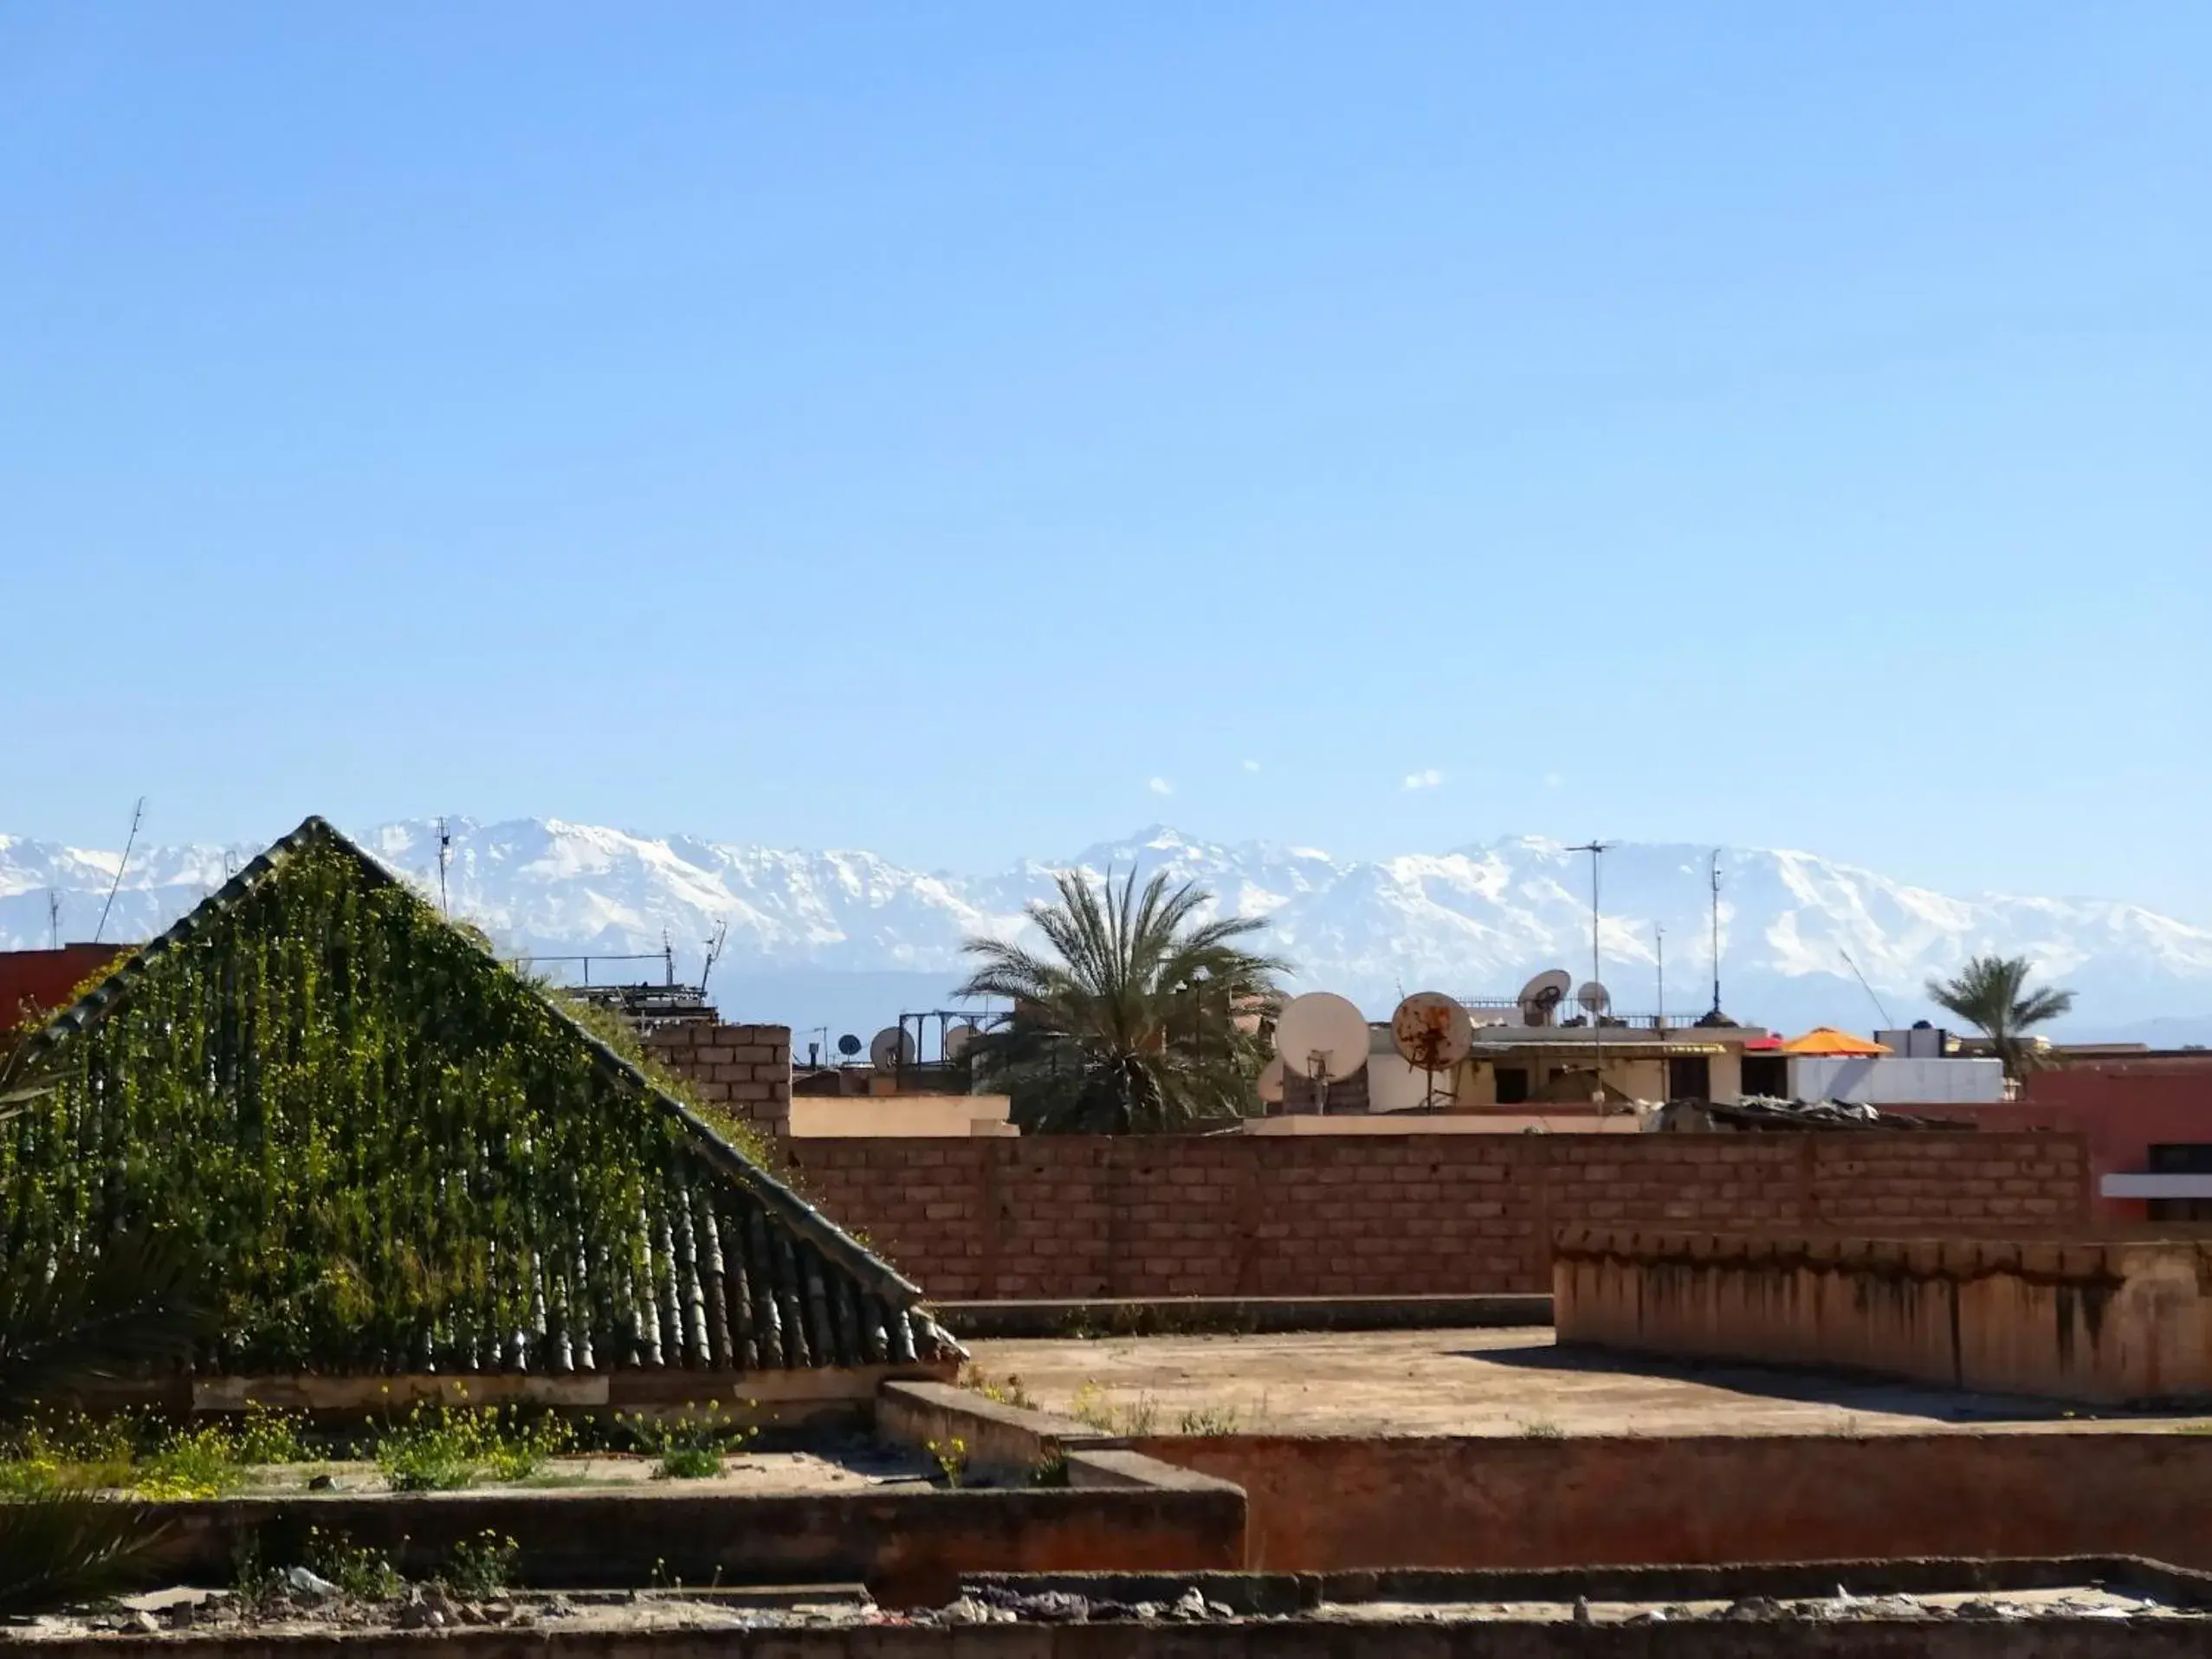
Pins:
x: 1569, y: 1016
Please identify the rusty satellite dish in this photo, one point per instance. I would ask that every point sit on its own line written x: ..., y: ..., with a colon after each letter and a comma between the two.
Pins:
x: 1432, y: 1031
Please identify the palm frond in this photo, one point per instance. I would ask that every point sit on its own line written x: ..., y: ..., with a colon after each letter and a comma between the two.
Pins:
x: 103, y: 1311
x: 1990, y: 993
x: 1129, y: 1024
x: 69, y: 1547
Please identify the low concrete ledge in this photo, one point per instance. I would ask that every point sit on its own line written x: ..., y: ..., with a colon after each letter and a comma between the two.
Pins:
x: 1286, y: 1594
x: 2103, y: 1320
x: 1236, y: 1315
x: 909, y: 1548
x: 1003, y: 1440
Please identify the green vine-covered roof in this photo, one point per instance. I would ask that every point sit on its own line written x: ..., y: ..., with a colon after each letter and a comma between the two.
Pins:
x: 399, y: 1155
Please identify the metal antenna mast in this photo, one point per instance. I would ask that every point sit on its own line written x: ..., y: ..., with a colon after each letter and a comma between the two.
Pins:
x: 1715, y: 878
x: 53, y: 914
x: 1597, y: 850
x: 137, y: 815
x: 1658, y: 950
x: 1863, y: 986
x: 444, y: 857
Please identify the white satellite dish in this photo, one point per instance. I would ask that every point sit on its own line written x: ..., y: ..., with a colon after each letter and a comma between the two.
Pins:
x: 1541, y: 998
x: 1593, y: 997
x: 1324, y: 1037
x: 891, y: 1049
x: 1270, y: 1082
x: 957, y: 1037
x: 1432, y: 1031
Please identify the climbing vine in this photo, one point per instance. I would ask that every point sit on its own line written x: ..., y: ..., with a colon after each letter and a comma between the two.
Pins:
x: 400, y: 1155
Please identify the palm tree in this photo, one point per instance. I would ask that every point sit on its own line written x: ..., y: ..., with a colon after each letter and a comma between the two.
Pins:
x: 88, y: 1314
x: 1991, y: 992
x: 1132, y: 1026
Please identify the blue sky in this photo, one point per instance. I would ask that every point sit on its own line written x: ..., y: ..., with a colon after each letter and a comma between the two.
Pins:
x: 947, y: 430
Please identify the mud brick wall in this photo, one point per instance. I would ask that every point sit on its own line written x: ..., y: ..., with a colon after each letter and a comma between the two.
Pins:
x: 1065, y: 1217
x: 744, y: 1070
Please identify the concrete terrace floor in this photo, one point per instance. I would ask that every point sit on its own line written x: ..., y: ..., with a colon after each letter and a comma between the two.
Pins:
x: 1485, y: 1382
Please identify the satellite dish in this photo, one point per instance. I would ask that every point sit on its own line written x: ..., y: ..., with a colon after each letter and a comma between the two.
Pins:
x: 891, y: 1049
x: 848, y: 1045
x: 957, y: 1037
x: 1271, y: 1082
x: 1323, y: 1036
x: 1593, y: 997
x: 1541, y: 998
x: 1432, y: 1031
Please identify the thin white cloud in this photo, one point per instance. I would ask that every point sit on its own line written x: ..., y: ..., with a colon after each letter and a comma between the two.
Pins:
x: 1426, y: 779
x: 1252, y: 766
x: 1160, y: 786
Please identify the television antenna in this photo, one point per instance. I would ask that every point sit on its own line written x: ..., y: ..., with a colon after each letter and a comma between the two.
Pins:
x: 1659, y: 956
x: 1323, y: 1037
x: 53, y: 914
x: 137, y: 816
x: 713, y: 953
x: 444, y: 858
x: 1863, y: 986
x: 1716, y: 882
x: 1433, y: 1033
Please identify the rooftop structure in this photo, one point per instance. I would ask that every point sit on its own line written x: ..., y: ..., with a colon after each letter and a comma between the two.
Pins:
x: 402, y: 1156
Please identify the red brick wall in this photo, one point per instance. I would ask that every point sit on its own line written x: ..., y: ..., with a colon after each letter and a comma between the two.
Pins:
x: 744, y: 1070
x: 2121, y: 1108
x: 1056, y: 1217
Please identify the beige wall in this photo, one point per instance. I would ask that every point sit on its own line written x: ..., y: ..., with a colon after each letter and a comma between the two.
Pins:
x: 2065, y: 1318
x: 933, y: 1115
x: 1507, y: 1121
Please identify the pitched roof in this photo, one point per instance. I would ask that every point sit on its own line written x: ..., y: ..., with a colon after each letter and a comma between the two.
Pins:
x: 525, y: 1197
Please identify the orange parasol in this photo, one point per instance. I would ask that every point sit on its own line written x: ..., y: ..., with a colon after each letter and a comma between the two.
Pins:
x: 1825, y: 1039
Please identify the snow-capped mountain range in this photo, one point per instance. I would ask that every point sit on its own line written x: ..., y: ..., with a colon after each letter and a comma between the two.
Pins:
x: 844, y: 939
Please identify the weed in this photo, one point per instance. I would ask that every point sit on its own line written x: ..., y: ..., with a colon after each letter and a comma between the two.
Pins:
x: 1208, y: 1420
x: 364, y: 1574
x: 951, y: 1457
x: 133, y: 1452
x: 50, y: 1451
x: 690, y: 1444
x: 1051, y: 1469
x: 1090, y: 1405
x: 482, y: 1566
x: 1008, y: 1391
x: 268, y: 1436
x: 253, y: 1581
x: 1542, y: 1428
x: 443, y: 1449
x: 199, y: 1463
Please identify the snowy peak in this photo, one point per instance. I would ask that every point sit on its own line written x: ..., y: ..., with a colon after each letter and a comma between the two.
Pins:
x: 1475, y: 920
